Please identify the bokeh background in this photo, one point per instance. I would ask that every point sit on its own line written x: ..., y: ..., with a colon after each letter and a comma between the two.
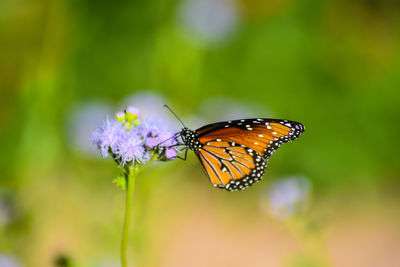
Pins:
x: 331, y: 198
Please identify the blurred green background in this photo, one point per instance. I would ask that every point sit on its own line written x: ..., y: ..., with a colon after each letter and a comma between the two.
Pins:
x: 333, y: 65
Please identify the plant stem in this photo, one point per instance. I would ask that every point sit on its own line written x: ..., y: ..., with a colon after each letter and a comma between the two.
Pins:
x: 130, y: 185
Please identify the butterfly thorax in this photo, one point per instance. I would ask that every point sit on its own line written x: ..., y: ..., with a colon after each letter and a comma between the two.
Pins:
x: 191, y: 139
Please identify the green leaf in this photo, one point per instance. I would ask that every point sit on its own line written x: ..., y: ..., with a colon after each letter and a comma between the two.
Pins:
x: 120, y: 182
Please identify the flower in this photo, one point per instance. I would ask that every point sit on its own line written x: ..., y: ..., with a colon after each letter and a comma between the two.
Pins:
x: 109, y: 136
x: 211, y: 21
x: 288, y: 196
x: 226, y: 108
x: 130, y: 140
x: 170, y: 153
x: 132, y: 110
x: 8, y: 261
x: 151, y: 106
x: 120, y: 116
x: 132, y: 149
x: 156, y: 133
x: 82, y: 118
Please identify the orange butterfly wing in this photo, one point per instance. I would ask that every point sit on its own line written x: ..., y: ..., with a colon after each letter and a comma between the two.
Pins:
x: 234, y: 154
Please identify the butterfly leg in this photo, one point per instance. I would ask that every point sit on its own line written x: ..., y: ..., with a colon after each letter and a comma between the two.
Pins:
x: 179, y: 157
x: 178, y: 144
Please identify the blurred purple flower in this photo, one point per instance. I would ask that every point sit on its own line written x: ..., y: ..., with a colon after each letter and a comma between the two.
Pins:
x: 82, y: 118
x: 288, y: 196
x: 109, y: 136
x: 8, y: 261
x: 213, y: 21
x: 225, y: 109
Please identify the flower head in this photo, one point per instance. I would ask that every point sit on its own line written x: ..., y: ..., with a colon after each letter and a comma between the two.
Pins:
x: 120, y: 116
x: 132, y: 110
x: 288, y: 196
x: 109, y: 136
x: 170, y: 153
x: 156, y: 134
x: 9, y: 261
x: 213, y: 21
x: 132, y: 149
x: 129, y: 140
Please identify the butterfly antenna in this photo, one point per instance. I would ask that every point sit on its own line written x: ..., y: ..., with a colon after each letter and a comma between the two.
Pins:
x: 172, y: 137
x: 175, y: 115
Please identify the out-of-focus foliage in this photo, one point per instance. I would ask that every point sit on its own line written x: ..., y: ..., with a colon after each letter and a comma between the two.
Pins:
x: 332, y: 65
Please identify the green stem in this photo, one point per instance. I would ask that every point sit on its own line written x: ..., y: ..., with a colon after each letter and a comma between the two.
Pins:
x: 130, y: 185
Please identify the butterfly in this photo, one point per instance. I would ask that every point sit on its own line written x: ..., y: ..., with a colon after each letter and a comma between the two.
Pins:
x: 234, y: 154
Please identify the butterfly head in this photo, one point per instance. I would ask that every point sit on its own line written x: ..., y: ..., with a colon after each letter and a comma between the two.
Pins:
x: 190, y: 139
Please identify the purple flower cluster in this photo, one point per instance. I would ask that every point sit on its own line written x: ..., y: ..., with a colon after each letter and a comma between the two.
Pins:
x: 156, y: 132
x: 288, y: 196
x: 129, y: 140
